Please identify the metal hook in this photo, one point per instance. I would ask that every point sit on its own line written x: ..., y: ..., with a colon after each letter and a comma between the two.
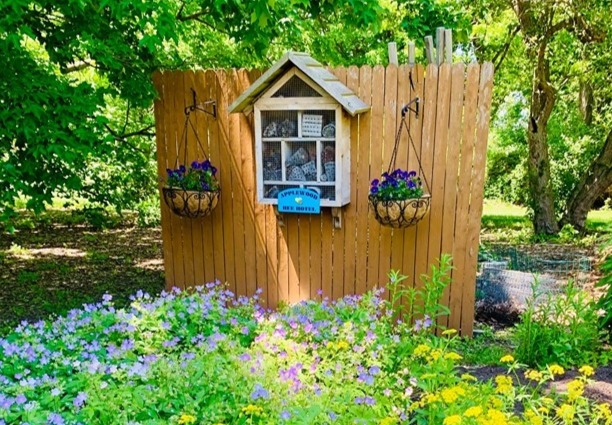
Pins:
x: 202, y: 106
x: 407, y: 107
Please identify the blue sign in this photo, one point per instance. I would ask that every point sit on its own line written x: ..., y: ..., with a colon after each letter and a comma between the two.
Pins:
x: 298, y: 200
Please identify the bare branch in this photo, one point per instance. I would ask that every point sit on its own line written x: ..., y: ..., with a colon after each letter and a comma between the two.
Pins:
x: 122, y: 136
x: 501, y: 54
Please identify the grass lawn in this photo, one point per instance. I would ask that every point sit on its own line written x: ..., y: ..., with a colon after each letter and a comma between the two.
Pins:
x: 504, y: 222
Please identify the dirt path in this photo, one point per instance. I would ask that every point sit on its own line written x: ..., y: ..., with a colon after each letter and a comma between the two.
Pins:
x: 52, y: 269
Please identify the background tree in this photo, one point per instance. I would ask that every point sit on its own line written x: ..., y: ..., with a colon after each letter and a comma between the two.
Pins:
x: 545, y: 52
x: 76, y: 95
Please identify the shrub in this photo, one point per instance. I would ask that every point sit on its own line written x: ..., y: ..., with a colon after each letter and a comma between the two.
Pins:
x: 149, y: 212
x: 562, y: 329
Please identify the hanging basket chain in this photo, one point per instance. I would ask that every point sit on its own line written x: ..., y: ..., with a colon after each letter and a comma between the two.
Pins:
x: 184, y: 138
x: 398, y: 136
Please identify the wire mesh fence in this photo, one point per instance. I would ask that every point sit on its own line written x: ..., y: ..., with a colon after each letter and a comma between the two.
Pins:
x: 508, y: 276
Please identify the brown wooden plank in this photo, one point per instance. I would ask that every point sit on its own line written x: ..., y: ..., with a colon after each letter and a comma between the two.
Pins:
x: 214, y: 153
x: 477, y: 190
x: 415, y: 125
x: 235, y: 192
x: 175, y: 122
x: 403, y: 97
x: 376, y: 169
x: 194, y: 231
x: 248, y: 177
x: 304, y: 256
x: 204, y: 83
x: 349, y: 218
x: 187, y: 153
x: 316, y: 250
x: 221, y: 137
x: 283, y: 263
x: 463, y: 190
x: 439, y: 168
x: 271, y: 295
x: 362, y: 162
x: 427, y: 150
x: 259, y: 210
x: 160, y: 81
x: 452, y: 170
x: 339, y: 234
x: 390, y: 128
x: 292, y: 233
x: 327, y: 231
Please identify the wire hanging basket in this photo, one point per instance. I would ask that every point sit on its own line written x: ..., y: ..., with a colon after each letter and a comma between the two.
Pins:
x: 398, y: 211
x: 193, y: 192
x: 191, y: 203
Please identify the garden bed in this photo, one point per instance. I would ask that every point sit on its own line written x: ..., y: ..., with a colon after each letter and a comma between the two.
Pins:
x: 207, y: 357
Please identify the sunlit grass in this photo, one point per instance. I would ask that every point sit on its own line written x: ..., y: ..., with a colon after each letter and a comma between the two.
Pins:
x: 505, y: 222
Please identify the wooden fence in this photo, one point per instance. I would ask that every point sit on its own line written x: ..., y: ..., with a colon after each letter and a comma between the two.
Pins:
x: 243, y: 244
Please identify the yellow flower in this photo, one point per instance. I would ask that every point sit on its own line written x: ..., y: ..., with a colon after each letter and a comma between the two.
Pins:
x: 507, y: 359
x: 604, y: 410
x: 534, y: 375
x: 435, y: 355
x: 429, y: 399
x: 575, y: 389
x: 494, y: 417
x: 421, y: 350
x: 504, y: 384
x: 544, y: 410
x: 388, y: 421
x: 450, y: 395
x: 566, y: 412
x: 252, y: 410
x: 186, y: 419
x: 587, y: 370
x: 547, y: 401
x: 342, y: 345
x: 452, y: 420
x: 449, y: 332
x: 452, y: 356
x: 473, y: 412
x: 533, y: 418
x: 556, y: 370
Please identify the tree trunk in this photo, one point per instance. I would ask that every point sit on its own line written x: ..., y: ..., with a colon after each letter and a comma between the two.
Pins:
x: 592, y: 185
x: 543, y: 99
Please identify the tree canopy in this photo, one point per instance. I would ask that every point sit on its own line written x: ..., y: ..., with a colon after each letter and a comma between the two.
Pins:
x: 76, y: 93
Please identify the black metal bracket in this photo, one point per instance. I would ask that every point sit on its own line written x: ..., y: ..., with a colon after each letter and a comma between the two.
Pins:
x: 407, y: 107
x: 202, y: 106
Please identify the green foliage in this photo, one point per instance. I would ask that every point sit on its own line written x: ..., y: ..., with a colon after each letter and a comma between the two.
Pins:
x: 561, y: 328
x: 399, y: 185
x: 149, y: 213
x: 486, y: 347
x: 421, y: 306
x: 605, y: 301
x: 198, y: 177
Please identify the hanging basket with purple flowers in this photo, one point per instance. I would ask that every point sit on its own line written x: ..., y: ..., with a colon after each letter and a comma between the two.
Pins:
x: 398, y: 199
x: 192, y: 191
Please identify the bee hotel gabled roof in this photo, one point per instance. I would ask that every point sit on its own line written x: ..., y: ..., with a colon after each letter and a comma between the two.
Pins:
x: 314, y: 70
